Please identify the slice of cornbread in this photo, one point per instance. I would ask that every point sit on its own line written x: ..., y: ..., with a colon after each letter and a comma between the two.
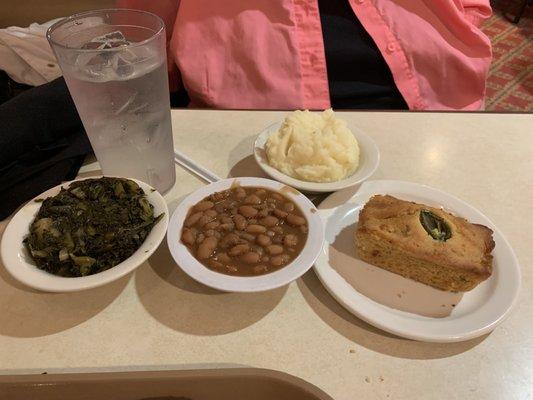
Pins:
x: 423, y: 243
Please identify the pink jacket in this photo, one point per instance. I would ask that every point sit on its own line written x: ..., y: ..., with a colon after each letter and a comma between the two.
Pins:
x: 270, y: 53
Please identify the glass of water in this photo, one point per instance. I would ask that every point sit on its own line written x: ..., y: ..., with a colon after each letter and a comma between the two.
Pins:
x: 114, y: 63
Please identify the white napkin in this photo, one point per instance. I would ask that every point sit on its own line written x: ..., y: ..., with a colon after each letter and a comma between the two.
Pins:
x: 26, y: 56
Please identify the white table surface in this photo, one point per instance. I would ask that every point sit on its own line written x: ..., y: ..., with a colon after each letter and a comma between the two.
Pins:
x: 159, y: 318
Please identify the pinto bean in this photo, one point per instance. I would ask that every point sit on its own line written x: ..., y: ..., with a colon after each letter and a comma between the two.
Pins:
x: 263, y: 240
x: 295, y: 220
x: 222, y: 206
x: 211, y: 213
x: 289, y: 207
x: 193, y: 219
x: 280, y: 214
x: 250, y: 257
x: 240, y: 222
x: 212, y: 225
x: 188, y: 236
x: 223, y: 258
x: 246, y: 236
x: 280, y: 260
x: 257, y: 249
x: 252, y: 199
x: 215, y: 264
x: 248, y: 211
x: 229, y: 204
x: 225, y: 219
x: 229, y: 240
x: 240, y: 193
x: 260, y: 269
x: 218, y: 196
x: 204, y: 219
x: 204, y: 205
x: 227, y: 227
x: 256, y: 229
x: 290, y: 240
x: 269, y: 221
x: 207, y: 247
x: 276, y: 196
x: 278, y: 239
x: 263, y: 213
x: 274, y: 249
x: 239, y: 249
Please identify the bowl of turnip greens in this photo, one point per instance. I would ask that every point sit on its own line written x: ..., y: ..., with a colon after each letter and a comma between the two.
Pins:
x: 84, y: 233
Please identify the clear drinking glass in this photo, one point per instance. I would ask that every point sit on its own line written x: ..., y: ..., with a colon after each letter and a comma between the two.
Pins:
x: 114, y: 63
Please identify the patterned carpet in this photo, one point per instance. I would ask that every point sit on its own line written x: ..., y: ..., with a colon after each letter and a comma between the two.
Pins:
x: 510, y: 82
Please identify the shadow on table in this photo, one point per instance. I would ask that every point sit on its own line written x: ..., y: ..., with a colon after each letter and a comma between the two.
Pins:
x: 246, y: 166
x: 89, y: 174
x: 25, y: 312
x: 368, y: 336
x: 181, y: 303
x: 173, y: 204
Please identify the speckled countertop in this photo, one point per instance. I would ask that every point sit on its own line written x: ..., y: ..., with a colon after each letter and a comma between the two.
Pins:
x: 157, y: 317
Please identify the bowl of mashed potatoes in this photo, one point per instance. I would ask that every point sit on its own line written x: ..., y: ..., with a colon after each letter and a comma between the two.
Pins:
x: 316, y: 152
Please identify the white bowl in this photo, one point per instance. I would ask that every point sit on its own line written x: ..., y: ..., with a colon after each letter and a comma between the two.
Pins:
x: 20, y: 265
x: 368, y: 163
x: 228, y: 283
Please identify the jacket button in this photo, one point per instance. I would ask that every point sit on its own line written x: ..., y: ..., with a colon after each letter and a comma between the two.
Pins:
x: 391, y: 47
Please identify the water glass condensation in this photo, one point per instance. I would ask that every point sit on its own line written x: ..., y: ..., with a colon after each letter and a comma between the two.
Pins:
x: 114, y: 64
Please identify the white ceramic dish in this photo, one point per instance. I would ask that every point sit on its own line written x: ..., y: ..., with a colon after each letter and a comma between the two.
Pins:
x: 402, y: 306
x: 368, y: 163
x: 20, y: 265
x: 281, y: 277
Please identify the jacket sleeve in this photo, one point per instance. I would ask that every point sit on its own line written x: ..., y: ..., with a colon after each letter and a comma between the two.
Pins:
x: 476, y: 11
x: 167, y: 11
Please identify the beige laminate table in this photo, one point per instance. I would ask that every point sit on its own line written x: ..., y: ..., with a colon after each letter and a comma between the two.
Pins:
x: 158, y: 318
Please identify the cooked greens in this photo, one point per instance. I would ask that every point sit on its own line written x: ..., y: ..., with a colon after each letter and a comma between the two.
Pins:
x: 90, y: 226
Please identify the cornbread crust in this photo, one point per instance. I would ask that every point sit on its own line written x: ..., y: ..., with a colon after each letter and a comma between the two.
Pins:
x: 390, y: 235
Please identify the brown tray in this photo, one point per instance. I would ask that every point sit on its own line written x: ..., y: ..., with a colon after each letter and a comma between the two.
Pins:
x: 201, y: 384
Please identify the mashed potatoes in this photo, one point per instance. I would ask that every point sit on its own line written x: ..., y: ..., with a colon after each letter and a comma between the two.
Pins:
x: 313, y: 147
